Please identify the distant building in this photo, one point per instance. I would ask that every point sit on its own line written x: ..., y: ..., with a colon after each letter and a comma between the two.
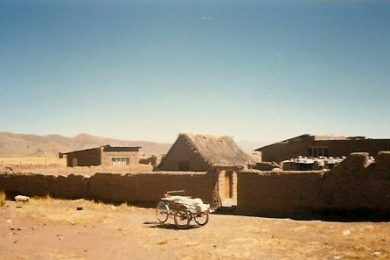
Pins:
x: 111, y: 156
x: 316, y: 146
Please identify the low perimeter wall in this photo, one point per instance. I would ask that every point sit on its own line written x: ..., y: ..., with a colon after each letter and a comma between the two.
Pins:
x: 135, y: 188
x: 355, y: 185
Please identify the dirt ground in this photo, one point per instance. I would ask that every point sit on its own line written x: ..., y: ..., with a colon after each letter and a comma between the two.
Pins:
x: 55, y: 229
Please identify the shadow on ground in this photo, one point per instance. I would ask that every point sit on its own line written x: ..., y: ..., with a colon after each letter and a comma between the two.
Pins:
x: 360, y: 215
x: 155, y: 224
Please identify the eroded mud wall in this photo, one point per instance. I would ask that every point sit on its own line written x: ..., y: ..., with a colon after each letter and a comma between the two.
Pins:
x: 145, y: 187
x: 356, y: 184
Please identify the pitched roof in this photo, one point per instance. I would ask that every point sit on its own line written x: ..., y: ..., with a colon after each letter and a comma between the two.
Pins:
x: 221, y: 151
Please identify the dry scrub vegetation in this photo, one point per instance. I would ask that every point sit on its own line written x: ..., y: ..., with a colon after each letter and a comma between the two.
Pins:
x: 32, y: 161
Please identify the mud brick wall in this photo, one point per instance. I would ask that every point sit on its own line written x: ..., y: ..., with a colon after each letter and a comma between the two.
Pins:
x: 69, y: 187
x: 145, y: 187
x: 149, y: 187
x: 266, y: 194
x: 195, y: 184
x: 356, y: 184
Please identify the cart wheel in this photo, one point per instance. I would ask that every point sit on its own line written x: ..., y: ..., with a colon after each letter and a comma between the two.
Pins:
x: 182, y: 218
x: 201, y: 218
x: 162, y: 212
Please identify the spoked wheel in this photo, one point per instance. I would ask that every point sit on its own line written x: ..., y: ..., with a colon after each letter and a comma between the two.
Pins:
x: 201, y: 218
x: 182, y: 218
x: 162, y: 212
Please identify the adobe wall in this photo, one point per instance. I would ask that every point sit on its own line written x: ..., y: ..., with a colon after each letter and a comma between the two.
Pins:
x: 356, y: 184
x: 90, y: 157
x: 267, y: 193
x: 141, y: 188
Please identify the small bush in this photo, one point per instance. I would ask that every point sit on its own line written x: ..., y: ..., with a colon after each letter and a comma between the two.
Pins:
x: 2, y: 198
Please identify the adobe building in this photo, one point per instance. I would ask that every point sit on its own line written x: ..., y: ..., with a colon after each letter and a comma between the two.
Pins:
x: 110, y: 156
x: 317, y: 146
x: 219, y: 155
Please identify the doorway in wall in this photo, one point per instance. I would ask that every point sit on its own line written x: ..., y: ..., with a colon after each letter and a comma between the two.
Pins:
x: 74, y: 162
x: 228, y: 187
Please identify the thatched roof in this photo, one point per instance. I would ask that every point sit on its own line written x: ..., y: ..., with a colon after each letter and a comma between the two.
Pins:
x: 221, y: 151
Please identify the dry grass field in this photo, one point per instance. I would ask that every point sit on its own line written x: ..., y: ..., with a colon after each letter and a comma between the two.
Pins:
x: 56, y: 166
x: 32, y: 161
x: 80, y: 229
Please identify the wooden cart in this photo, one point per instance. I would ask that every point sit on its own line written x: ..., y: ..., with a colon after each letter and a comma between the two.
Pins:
x: 184, y: 209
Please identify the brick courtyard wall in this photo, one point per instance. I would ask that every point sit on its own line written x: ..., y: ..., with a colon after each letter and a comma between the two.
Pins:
x: 142, y: 188
x: 355, y: 185
x: 264, y: 193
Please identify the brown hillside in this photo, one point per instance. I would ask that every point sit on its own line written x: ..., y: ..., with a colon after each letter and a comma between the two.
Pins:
x: 34, y: 145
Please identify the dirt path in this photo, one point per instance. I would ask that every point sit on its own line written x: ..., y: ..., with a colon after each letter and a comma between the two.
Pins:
x: 54, y: 229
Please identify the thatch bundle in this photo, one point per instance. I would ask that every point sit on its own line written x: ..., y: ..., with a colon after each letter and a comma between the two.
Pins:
x: 218, y: 150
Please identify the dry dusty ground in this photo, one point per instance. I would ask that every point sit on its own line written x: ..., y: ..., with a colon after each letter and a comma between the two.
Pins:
x: 54, y: 229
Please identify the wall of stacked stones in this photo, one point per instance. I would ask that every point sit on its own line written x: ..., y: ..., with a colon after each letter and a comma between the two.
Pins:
x: 134, y: 188
x: 355, y: 185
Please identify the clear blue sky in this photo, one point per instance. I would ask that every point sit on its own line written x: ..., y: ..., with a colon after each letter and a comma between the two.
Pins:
x: 255, y: 70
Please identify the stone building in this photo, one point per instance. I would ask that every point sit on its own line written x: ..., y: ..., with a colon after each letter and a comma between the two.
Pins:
x: 217, y: 155
x: 317, y: 146
x: 110, y: 156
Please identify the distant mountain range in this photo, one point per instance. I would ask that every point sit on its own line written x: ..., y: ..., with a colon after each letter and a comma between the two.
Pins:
x: 34, y: 145
x: 12, y: 144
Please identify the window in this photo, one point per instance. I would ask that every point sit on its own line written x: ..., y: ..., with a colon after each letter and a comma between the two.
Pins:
x: 120, y: 162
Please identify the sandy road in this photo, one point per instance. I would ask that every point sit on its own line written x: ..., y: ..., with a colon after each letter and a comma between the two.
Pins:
x: 55, y: 229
